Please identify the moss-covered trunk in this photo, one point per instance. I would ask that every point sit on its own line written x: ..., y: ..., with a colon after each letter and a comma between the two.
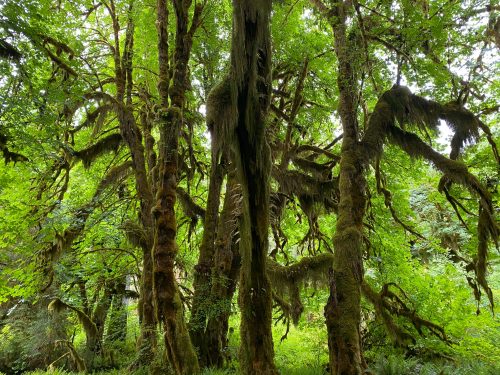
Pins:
x: 132, y: 136
x: 146, y: 344
x: 170, y: 312
x: 94, y: 332
x: 201, y: 305
x: 225, y: 272
x: 343, y: 310
x: 250, y: 65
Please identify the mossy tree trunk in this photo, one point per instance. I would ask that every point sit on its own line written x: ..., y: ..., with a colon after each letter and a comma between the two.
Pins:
x: 147, y: 342
x: 170, y: 313
x: 343, y: 310
x: 93, y: 318
x: 201, y: 305
x: 100, y: 315
x: 224, y: 278
x: 132, y: 136
x: 93, y: 333
x: 251, y: 86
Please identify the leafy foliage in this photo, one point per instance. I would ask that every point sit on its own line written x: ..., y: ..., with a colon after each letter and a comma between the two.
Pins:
x: 73, y: 205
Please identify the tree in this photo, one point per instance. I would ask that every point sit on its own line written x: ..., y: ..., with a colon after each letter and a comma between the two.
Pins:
x: 342, y: 311
x: 250, y: 94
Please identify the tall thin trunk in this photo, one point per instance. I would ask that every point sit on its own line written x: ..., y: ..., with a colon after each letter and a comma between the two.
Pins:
x: 202, y: 303
x: 225, y: 273
x: 251, y: 70
x: 170, y: 312
x: 99, y: 316
x: 132, y: 135
x: 343, y: 310
x: 147, y: 342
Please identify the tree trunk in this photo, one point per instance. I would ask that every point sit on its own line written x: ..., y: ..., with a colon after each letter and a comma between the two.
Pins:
x: 99, y: 315
x: 202, y: 304
x: 343, y: 310
x: 251, y: 85
x: 225, y: 274
x: 146, y: 344
x: 132, y: 135
x: 169, y: 309
x: 117, y: 326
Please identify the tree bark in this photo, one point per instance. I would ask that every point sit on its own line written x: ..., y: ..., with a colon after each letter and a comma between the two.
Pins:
x: 225, y: 274
x: 250, y: 87
x: 132, y: 135
x: 147, y: 342
x: 343, y: 310
x: 169, y: 309
x: 202, y: 302
x: 100, y: 313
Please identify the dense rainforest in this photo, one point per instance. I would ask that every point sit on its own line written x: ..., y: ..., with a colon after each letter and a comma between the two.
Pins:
x: 249, y: 187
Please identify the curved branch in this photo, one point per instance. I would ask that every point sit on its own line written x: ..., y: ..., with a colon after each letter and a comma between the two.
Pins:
x: 88, y: 324
x: 388, y: 304
x: 399, y: 105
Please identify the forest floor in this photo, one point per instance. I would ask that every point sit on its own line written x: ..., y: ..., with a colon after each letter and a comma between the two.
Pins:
x: 304, y: 352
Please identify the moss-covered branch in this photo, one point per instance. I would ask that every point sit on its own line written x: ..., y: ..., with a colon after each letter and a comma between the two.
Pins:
x: 388, y: 304
x: 8, y: 51
x: 56, y: 305
x: 65, y: 240
x: 399, y: 106
x: 288, y: 280
x: 8, y: 155
x: 106, y: 144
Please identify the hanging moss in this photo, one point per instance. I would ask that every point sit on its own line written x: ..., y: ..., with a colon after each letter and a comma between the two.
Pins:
x: 8, y: 155
x: 7, y: 50
x: 221, y: 116
x: 107, y: 144
x: 135, y: 233
x: 320, y: 190
x: 251, y: 94
x: 308, y: 270
x: 400, y: 106
x: 315, y: 194
x: 114, y: 176
x: 287, y: 281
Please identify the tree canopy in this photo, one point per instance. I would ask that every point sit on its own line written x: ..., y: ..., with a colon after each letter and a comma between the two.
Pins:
x: 260, y: 186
